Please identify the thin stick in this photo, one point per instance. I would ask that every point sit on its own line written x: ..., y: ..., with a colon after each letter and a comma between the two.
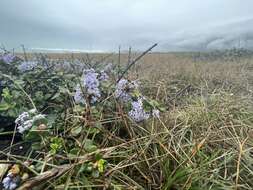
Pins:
x: 25, y: 56
x: 119, y: 62
x: 239, y: 162
x: 134, y: 61
x: 12, y: 141
x: 129, y: 56
x: 180, y: 92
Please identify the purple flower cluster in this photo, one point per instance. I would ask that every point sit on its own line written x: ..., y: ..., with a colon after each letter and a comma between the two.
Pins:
x: 25, y: 120
x: 108, y: 67
x: 10, y: 182
x: 27, y: 66
x: 79, y: 96
x: 90, y: 84
x: 103, y: 76
x: 8, y: 58
x: 123, y: 92
x: 124, y: 88
x: 137, y: 113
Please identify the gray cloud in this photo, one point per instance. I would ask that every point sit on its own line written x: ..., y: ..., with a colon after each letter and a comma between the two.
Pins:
x: 96, y: 24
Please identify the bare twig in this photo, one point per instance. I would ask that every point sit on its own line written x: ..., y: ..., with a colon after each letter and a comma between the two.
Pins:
x: 45, y: 176
x: 180, y: 92
x: 129, y: 56
x: 241, y: 151
x: 119, y: 61
x: 134, y: 61
x: 25, y: 56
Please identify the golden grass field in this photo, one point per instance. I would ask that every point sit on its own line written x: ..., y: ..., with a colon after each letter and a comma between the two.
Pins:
x: 163, y: 67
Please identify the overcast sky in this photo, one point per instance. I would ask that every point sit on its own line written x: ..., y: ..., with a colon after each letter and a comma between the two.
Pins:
x: 106, y: 24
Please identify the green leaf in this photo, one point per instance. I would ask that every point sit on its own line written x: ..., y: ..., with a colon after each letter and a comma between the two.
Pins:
x: 6, y: 93
x: 64, y: 90
x: 4, y: 106
x: 57, y: 95
x: 39, y: 120
x: 32, y: 136
x: 89, y: 146
x: 154, y: 103
x: 51, y: 119
x: 95, y: 129
x: 98, y: 156
x: 56, y: 144
x: 86, y: 167
x: 162, y: 109
x: 36, y: 146
x: 76, y: 131
x: 74, y: 151
x: 136, y: 93
x: 39, y: 95
x: 19, y: 82
x: 101, y: 165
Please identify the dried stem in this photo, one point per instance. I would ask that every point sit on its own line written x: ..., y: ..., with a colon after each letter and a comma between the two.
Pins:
x: 135, y: 60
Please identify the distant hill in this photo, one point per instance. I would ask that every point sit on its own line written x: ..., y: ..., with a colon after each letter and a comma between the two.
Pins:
x: 233, y: 34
